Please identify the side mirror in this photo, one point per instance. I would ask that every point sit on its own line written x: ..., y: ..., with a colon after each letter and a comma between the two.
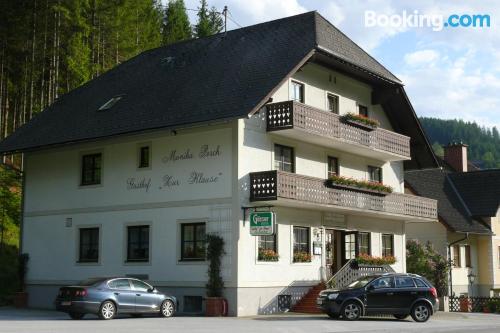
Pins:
x: 151, y: 290
x: 370, y: 287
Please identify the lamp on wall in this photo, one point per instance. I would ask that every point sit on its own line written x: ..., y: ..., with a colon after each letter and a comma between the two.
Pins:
x: 472, y: 277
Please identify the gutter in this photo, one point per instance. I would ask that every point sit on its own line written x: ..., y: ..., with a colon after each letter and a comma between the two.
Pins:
x: 449, y: 260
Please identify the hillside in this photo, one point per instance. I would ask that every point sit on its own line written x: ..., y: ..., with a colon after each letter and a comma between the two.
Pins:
x: 484, y: 143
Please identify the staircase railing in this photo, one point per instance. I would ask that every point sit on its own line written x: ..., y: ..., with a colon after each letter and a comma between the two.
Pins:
x: 351, y: 272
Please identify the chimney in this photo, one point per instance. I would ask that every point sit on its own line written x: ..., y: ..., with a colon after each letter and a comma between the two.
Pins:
x: 455, y: 154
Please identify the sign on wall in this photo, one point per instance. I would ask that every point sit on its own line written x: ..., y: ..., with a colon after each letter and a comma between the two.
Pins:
x: 262, y: 223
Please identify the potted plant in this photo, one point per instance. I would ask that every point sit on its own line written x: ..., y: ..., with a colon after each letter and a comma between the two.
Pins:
x: 360, y: 121
x: 268, y: 255
x: 216, y: 305
x: 301, y: 256
x: 21, y: 297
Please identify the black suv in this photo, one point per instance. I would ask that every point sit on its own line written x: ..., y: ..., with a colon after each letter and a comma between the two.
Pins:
x: 396, y: 294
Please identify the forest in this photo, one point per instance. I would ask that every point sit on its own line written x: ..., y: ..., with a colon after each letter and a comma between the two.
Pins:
x: 484, y: 142
x: 48, y: 48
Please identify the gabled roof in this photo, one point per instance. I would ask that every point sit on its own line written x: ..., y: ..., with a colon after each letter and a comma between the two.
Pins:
x: 480, y: 190
x: 452, y: 210
x: 222, y: 77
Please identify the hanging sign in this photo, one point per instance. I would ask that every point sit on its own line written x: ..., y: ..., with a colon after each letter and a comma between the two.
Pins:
x: 262, y: 223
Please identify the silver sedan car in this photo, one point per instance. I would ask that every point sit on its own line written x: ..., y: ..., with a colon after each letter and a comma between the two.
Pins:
x: 106, y: 297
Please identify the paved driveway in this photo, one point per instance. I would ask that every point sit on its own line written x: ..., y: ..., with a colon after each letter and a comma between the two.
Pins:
x: 12, y: 320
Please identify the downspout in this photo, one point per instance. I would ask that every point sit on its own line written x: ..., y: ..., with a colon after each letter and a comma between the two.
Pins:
x: 449, y: 260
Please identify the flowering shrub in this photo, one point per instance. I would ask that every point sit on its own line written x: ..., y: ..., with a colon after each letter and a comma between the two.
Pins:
x: 365, y: 259
x: 363, y: 184
x: 361, y: 119
x: 301, y: 257
x: 268, y: 255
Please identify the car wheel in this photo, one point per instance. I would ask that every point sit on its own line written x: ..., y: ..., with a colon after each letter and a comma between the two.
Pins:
x: 400, y: 316
x: 333, y: 315
x: 167, y: 308
x: 421, y: 312
x: 351, y: 310
x: 107, y: 310
x: 76, y: 316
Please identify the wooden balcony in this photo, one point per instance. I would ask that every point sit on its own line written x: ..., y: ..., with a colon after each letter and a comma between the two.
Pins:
x: 289, y: 189
x: 309, y: 124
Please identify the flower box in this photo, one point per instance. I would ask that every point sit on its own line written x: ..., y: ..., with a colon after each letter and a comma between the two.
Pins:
x: 360, y: 121
x: 367, y: 260
x: 358, y: 185
x: 301, y: 257
x: 268, y: 255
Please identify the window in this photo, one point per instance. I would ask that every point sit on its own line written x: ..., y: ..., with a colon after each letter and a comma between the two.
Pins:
x: 333, y: 166
x: 420, y: 283
x: 267, y: 243
x: 140, y: 286
x: 467, y: 256
x: 144, y: 156
x: 384, y: 282
x: 138, y: 243
x: 363, y: 110
x: 193, y: 241
x: 89, y: 245
x: 387, y: 245
x: 350, y: 246
x: 91, y: 169
x: 333, y: 103
x: 301, y: 240
x: 456, y: 256
x: 193, y: 303
x: 364, y: 243
x: 404, y: 282
x: 284, y: 158
x: 122, y: 284
x: 297, y: 91
x: 374, y: 174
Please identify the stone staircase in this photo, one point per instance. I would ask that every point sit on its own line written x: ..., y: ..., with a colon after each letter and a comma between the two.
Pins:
x: 307, y: 304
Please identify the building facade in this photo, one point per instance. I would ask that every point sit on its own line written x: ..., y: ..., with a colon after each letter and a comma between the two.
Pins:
x: 140, y: 202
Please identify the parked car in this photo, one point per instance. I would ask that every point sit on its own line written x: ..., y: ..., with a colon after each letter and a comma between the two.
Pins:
x: 106, y: 297
x: 399, y: 295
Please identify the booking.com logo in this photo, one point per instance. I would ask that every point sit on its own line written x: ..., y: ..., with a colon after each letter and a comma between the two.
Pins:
x: 435, y: 21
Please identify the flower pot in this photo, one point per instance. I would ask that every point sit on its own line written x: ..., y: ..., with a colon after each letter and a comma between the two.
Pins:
x: 21, y: 299
x: 332, y: 184
x: 216, y: 307
x: 465, y: 304
x: 360, y: 125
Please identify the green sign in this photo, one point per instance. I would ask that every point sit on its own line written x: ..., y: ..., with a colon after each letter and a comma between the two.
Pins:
x: 262, y: 223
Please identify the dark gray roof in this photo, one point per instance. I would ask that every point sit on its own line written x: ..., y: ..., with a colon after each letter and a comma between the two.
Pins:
x: 436, y: 184
x: 480, y: 190
x: 222, y: 77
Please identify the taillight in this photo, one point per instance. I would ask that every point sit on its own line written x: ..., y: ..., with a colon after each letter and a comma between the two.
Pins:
x: 81, y: 293
x: 434, y: 292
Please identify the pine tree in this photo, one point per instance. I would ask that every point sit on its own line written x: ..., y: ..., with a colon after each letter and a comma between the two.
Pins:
x: 176, y: 25
x: 209, y: 21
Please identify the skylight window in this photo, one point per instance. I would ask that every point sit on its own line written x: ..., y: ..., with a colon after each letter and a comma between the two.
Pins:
x: 109, y: 104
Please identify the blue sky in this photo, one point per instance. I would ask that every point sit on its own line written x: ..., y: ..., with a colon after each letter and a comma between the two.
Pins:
x: 453, y: 73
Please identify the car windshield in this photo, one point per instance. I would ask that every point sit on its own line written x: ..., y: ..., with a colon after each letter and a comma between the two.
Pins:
x: 90, y: 282
x: 361, y: 282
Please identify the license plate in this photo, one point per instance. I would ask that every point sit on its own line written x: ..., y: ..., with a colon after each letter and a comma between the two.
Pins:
x: 319, y: 301
x: 67, y: 303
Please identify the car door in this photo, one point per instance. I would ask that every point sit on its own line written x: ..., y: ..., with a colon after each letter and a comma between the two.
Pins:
x: 379, y: 295
x: 123, y: 294
x: 405, y: 292
x: 145, y: 299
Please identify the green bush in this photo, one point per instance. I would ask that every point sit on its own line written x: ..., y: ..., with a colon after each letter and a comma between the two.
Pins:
x: 425, y: 261
x: 215, y: 251
x: 9, y: 282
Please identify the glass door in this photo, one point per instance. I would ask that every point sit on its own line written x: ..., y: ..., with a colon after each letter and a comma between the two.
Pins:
x: 349, y: 245
x: 331, y: 253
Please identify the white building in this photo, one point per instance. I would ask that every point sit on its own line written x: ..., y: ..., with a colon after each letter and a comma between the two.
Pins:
x: 126, y: 174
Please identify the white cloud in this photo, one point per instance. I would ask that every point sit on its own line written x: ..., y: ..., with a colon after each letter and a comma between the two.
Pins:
x: 421, y: 57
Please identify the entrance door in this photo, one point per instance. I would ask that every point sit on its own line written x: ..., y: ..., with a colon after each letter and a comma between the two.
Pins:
x: 331, y: 253
x: 349, y: 246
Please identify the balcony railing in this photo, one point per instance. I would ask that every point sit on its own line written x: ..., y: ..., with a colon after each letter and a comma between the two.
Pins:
x: 291, y: 114
x: 274, y: 185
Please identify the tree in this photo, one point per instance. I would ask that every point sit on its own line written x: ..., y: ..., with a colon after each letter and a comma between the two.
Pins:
x: 438, y: 149
x: 176, y: 25
x: 425, y: 261
x: 209, y: 21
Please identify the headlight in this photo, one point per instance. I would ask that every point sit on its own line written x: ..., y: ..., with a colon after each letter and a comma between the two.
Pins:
x: 333, y: 296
